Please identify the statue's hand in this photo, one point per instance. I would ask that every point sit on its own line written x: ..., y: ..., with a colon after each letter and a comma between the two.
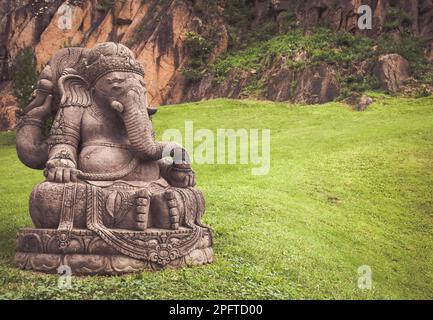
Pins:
x: 61, y: 171
x: 180, y: 176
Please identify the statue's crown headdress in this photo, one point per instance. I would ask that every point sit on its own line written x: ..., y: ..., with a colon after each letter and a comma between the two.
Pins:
x: 108, y: 57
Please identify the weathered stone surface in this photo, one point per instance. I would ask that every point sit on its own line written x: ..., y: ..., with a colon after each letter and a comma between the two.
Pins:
x: 364, y: 102
x: 317, y: 86
x: 125, y: 11
x: 425, y: 19
x: 88, y: 254
x: 282, y: 84
x: 342, y: 14
x: 110, y: 203
x: 392, y: 70
x: 8, y: 109
x: 235, y: 82
x: 306, y: 85
x: 60, y: 32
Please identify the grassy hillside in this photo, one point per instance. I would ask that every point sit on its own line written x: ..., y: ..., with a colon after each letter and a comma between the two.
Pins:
x: 345, y: 189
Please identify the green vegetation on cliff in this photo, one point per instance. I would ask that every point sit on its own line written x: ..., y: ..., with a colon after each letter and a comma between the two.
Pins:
x: 353, y: 57
x: 25, y: 76
x: 345, y: 189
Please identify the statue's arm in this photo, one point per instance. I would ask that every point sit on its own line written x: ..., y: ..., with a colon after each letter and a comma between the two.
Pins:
x: 63, y: 143
x: 31, y: 145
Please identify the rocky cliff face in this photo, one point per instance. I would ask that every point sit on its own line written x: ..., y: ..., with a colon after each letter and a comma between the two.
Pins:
x: 155, y: 30
x: 176, y: 40
x: 8, y: 109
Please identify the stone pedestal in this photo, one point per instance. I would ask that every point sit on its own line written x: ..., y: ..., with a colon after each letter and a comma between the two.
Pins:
x: 45, y: 250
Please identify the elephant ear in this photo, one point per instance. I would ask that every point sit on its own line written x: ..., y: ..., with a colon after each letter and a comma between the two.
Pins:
x: 74, y: 90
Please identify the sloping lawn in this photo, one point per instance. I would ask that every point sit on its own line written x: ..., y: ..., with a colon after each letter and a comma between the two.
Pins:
x: 345, y: 189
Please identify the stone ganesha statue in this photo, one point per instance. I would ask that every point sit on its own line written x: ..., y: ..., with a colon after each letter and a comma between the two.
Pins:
x: 115, y: 200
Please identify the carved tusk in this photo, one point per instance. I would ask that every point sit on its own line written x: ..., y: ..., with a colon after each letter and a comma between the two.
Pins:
x: 116, y: 105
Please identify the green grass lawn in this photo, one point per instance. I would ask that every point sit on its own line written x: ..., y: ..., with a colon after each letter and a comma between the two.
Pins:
x: 344, y: 189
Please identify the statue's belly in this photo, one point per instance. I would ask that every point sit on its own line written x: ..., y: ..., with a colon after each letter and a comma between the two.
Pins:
x: 102, y: 159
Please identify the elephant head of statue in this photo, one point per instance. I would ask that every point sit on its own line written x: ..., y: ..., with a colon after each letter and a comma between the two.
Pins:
x: 107, y: 75
x: 111, y: 77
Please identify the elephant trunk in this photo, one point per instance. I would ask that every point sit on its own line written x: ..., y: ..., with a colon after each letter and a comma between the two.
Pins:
x: 132, y: 107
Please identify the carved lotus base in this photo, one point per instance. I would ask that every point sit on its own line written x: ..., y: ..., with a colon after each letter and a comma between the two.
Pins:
x: 45, y: 250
